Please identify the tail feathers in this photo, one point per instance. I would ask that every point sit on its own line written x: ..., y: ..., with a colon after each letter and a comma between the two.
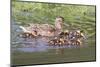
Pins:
x: 23, y: 28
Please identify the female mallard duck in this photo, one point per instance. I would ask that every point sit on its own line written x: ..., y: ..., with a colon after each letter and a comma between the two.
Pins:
x: 45, y: 29
x: 59, y: 24
x: 49, y: 30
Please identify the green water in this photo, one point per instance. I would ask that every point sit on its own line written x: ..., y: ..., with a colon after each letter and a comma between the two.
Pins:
x: 70, y: 55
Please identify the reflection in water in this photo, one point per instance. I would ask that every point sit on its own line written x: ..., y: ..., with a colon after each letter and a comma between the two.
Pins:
x: 31, y: 49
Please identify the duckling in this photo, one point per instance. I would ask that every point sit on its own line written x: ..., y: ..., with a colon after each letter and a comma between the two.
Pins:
x: 28, y: 34
x: 73, y: 42
x: 62, y: 34
x: 53, y: 42
x: 24, y: 35
x: 57, y: 41
x: 62, y: 40
x: 79, y: 34
x: 67, y: 42
x: 71, y: 35
x: 82, y: 36
x: 66, y: 32
x: 78, y: 42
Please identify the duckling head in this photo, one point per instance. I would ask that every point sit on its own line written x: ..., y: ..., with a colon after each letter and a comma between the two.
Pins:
x: 66, y: 31
x: 78, y: 40
x: 62, y: 40
x: 78, y: 31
